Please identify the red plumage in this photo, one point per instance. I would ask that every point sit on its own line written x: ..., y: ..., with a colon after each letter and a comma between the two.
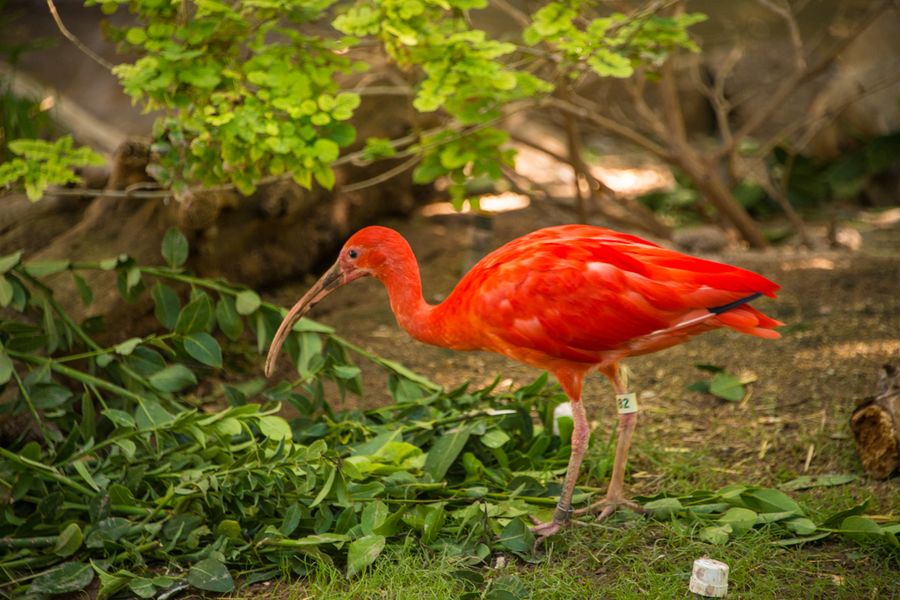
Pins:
x: 592, y: 295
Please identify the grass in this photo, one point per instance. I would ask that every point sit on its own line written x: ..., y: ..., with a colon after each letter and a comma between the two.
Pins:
x: 632, y: 558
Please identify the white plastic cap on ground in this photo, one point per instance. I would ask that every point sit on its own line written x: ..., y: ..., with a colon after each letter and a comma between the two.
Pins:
x: 561, y: 410
x: 709, y: 578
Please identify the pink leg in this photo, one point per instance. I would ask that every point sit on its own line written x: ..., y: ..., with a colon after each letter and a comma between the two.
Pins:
x: 615, y: 494
x: 581, y: 434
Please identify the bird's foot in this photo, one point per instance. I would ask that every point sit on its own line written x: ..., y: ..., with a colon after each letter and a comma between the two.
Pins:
x: 542, y: 531
x: 609, y: 505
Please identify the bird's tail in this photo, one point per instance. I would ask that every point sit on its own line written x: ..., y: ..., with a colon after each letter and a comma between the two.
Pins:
x: 749, y: 320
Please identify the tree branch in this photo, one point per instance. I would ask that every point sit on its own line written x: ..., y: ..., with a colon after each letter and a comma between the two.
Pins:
x: 783, y: 10
x: 790, y: 84
x: 514, y: 13
x: 78, y: 43
x: 590, y: 112
x: 382, y: 177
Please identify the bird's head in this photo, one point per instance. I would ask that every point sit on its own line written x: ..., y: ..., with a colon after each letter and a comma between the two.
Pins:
x: 372, y: 251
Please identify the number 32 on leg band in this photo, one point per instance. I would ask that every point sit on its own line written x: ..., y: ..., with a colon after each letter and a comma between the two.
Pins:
x: 626, y: 403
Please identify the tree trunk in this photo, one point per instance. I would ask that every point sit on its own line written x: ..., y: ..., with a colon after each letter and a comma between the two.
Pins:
x: 876, y: 426
x: 710, y: 184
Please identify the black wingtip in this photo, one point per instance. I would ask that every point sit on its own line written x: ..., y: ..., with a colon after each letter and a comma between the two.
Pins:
x: 717, y: 310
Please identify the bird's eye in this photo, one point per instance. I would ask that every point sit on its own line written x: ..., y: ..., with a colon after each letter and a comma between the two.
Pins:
x: 352, y: 253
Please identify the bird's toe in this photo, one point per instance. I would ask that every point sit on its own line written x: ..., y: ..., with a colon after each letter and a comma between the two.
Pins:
x: 543, y: 530
x: 608, y: 506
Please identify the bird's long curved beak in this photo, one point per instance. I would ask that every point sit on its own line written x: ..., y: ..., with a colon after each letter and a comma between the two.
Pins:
x: 327, y: 283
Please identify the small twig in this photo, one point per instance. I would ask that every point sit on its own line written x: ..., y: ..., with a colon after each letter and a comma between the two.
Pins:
x: 576, y: 161
x: 590, y: 112
x: 635, y: 89
x: 763, y: 449
x: 783, y: 10
x: 514, y: 13
x: 809, y: 456
x: 78, y: 43
x: 778, y: 193
x: 383, y: 90
x: 382, y: 177
x: 512, y: 176
x: 31, y: 407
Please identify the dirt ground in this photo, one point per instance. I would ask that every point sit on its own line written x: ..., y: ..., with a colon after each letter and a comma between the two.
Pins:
x: 841, y: 307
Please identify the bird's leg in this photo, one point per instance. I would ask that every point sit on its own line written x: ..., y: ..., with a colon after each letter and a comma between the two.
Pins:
x: 581, y: 434
x: 615, y: 493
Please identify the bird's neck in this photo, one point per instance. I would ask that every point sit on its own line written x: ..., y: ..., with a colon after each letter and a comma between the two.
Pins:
x: 413, y: 313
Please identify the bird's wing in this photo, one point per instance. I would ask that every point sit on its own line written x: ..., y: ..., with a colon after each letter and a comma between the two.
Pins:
x: 575, y: 291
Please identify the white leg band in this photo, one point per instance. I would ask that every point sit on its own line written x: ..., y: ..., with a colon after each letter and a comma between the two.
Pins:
x: 626, y: 403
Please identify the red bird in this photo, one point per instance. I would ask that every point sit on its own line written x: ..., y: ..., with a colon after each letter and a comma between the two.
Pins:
x: 567, y: 299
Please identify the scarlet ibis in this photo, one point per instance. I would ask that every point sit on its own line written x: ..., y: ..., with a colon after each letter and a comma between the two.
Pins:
x: 566, y: 299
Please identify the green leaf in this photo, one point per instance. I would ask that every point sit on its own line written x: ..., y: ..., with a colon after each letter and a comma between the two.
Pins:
x: 861, y: 529
x: 119, y: 418
x: 275, y: 428
x: 127, y: 347
x: 195, y: 316
x: 228, y: 318
x: 363, y: 552
x: 9, y: 261
x: 135, y: 36
x: 6, y: 291
x: 325, y: 489
x: 6, y: 366
x: 373, y: 516
x: 434, y: 521
x: 801, y: 540
x: 291, y: 519
x: 166, y: 305
x: 716, y: 534
x: 204, y: 348
x: 142, y: 587
x: 836, y: 519
x: 325, y: 176
x: 46, y: 396
x: 151, y: 415
x: 69, y: 541
x: 84, y: 290
x: 173, y: 378
x: 46, y: 267
x: 812, y: 481
x: 495, y: 438
x: 319, y: 539
x: 230, y: 529
x: 132, y: 278
x: 346, y: 371
x: 444, y: 452
x: 174, y: 247
x: 800, y: 526
x: 726, y: 386
x: 68, y: 577
x: 326, y: 150
x: 82, y: 470
x: 741, y: 520
x: 769, y: 500
x: 517, y: 537
x: 247, y: 302
x: 664, y: 508
x: 211, y: 575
